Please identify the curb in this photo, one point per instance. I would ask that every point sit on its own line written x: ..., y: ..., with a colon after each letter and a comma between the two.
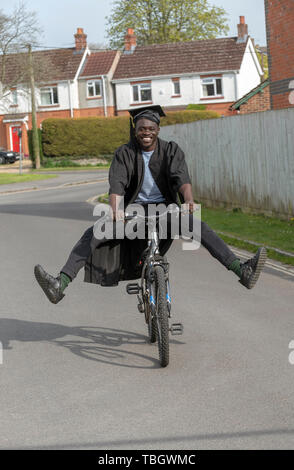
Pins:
x: 39, y: 188
x: 94, y: 200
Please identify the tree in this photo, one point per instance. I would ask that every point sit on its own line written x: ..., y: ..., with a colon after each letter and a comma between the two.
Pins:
x: 98, y: 46
x: 16, y: 31
x: 163, y: 21
x: 263, y: 60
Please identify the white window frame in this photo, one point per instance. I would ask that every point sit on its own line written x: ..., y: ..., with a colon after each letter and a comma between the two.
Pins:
x: 140, y: 86
x: 50, y: 91
x: 92, y: 84
x: 175, y: 93
x: 211, y: 81
x: 14, y: 97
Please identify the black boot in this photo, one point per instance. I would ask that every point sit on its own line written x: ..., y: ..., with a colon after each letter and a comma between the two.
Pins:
x: 251, y: 269
x: 50, y: 285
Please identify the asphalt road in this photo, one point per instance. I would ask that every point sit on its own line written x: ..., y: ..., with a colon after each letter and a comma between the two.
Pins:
x: 81, y: 375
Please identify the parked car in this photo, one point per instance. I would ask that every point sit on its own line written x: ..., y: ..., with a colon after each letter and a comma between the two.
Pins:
x: 8, y: 156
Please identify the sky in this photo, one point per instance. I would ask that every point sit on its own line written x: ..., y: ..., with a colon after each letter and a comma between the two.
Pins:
x: 60, y: 19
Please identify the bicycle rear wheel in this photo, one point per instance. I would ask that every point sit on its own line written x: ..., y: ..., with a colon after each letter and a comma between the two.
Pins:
x: 162, y: 327
x: 151, y: 326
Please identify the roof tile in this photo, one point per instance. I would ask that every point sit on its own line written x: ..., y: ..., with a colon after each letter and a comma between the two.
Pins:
x: 182, y: 57
x: 56, y: 64
x: 98, y: 63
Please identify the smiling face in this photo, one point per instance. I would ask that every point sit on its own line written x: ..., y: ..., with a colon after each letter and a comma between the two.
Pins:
x: 146, y: 134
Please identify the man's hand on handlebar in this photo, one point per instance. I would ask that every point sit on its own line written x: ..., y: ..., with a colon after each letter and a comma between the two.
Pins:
x: 189, y: 207
x: 117, y: 214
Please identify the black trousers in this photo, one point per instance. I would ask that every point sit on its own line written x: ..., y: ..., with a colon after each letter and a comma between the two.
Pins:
x: 209, y: 239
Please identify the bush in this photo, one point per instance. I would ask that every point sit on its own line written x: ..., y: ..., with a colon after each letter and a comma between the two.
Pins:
x: 196, y: 107
x: 66, y: 162
x: 53, y: 163
x: 88, y: 137
x: 95, y: 136
x: 182, y: 117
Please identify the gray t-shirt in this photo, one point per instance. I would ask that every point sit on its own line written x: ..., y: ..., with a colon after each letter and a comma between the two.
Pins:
x: 149, y: 191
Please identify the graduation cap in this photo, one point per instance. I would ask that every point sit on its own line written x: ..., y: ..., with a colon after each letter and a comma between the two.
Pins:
x: 152, y: 113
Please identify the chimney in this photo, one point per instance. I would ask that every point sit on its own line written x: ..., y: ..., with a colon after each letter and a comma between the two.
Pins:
x: 130, y: 41
x: 242, y: 30
x: 80, y: 39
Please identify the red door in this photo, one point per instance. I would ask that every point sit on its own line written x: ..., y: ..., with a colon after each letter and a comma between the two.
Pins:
x: 15, y: 139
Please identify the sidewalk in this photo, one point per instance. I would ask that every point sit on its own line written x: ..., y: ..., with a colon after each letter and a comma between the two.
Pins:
x: 27, y: 166
x: 66, y: 178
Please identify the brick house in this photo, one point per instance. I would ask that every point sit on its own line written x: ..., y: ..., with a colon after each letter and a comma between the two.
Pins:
x: 78, y: 84
x: 255, y: 101
x: 280, y: 42
x: 215, y: 72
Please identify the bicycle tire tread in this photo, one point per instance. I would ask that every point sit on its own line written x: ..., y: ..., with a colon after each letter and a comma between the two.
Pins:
x: 162, y: 322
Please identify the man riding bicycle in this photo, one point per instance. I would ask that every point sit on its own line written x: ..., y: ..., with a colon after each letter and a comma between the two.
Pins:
x: 146, y: 170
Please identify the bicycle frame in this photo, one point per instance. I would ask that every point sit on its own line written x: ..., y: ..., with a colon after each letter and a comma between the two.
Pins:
x: 147, y: 285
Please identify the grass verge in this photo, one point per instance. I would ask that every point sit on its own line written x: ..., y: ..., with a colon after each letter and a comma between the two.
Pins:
x: 13, y: 178
x: 248, y: 231
x: 256, y: 228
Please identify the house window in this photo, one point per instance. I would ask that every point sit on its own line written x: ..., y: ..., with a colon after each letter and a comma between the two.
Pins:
x: 49, y: 96
x: 212, y: 87
x: 176, y: 87
x: 93, y: 88
x: 142, y: 92
x: 14, y: 97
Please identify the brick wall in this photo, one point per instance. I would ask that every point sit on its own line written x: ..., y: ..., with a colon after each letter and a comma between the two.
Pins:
x: 221, y: 108
x: 92, y: 112
x: 259, y: 102
x: 280, y: 41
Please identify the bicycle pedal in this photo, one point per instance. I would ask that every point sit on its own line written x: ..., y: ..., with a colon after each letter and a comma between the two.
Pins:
x: 140, y: 305
x: 133, y: 288
x: 177, y: 329
x: 141, y: 308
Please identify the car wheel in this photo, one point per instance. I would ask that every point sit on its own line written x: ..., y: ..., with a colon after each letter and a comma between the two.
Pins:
x: 2, y: 160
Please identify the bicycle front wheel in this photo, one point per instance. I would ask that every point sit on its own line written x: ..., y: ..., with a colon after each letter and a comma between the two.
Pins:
x: 162, y: 327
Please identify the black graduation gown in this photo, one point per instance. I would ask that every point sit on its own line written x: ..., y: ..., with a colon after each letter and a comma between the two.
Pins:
x: 113, y: 261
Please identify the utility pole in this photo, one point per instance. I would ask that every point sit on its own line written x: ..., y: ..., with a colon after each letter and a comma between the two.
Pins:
x: 20, y: 150
x: 36, y: 148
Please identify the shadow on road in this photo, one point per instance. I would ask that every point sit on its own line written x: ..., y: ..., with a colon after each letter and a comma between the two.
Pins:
x: 159, y: 442
x: 60, y: 210
x: 106, y: 345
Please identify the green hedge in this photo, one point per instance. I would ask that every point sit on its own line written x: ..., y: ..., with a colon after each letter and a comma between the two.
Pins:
x: 197, y: 107
x: 182, y: 117
x: 93, y: 137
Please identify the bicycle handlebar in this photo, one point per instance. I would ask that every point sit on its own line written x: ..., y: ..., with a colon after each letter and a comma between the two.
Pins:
x: 148, y: 217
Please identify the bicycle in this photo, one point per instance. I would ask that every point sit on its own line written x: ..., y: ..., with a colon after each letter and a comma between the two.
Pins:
x: 153, y: 294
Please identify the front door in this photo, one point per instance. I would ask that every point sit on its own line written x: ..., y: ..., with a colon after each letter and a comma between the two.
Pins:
x: 15, y: 139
